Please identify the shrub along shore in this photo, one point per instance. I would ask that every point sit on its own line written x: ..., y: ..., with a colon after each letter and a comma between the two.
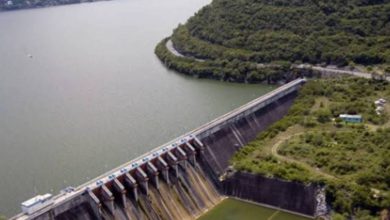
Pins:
x: 225, y: 70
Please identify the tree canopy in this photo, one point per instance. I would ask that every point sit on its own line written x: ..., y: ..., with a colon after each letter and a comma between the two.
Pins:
x: 336, y: 32
x: 314, y: 31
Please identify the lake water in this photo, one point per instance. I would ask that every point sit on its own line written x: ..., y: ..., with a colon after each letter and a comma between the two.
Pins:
x: 232, y: 209
x: 82, y: 92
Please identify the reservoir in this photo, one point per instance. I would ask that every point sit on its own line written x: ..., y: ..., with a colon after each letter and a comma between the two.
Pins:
x: 82, y: 92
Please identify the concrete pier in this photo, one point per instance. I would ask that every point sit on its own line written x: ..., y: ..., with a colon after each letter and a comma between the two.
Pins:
x: 121, y: 190
x: 132, y: 185
x: 142, y: 180
x: 191, y: 152
x: 173, y: 162
x: 153, y: 173
x: 95, y: 205
x: 163, y: 167
x: 108, y: 199
x: 198, y: 143
x: 182, y: 156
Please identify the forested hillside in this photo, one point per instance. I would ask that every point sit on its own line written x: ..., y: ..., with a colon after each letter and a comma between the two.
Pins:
x: 338, y: 32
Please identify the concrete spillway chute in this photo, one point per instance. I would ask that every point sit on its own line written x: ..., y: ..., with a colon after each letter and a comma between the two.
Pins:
x: 172, y: 161
x: 120, y: 189
x: 132, y: 184
x: 142, y: 178
x: 191, y: 152
x: 198, y: 142
x: 153, y: 173
x: 95, y: 204
x: 163, y: 167
x: 199, y: 145
x: 182, y: 156
x: 108, y: 199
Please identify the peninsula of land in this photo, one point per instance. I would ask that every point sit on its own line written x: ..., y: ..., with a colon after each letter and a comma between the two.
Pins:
x: 256, y: 41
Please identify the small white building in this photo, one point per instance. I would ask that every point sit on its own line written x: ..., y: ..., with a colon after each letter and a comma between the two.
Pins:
x: 351, y: 118
x: 380, y: 102
x: 38, y: 202
x: 379, y: 110
x: 380, y: 106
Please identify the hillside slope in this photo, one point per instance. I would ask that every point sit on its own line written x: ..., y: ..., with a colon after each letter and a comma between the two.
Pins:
x: 227, y: 33
x: 312, y: 144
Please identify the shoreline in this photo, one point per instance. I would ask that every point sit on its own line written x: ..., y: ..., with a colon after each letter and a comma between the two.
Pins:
x: 208, y: 68
x: 3, y: 8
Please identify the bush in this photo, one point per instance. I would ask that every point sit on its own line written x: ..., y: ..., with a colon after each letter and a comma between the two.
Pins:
x: 323, y: 115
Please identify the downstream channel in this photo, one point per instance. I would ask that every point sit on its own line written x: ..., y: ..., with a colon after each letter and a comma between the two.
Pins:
x: 81, y: 92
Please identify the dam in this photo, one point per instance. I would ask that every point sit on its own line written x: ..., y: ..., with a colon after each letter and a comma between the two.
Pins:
x: 182, y: 179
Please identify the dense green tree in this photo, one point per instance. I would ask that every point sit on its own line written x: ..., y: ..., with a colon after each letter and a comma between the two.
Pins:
x: 323, y: 115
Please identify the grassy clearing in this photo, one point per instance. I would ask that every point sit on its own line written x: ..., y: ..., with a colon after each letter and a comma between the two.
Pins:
x: 232, y: 209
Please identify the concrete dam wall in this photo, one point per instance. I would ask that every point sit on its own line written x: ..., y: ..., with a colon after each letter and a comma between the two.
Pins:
x: 181, y: 179
x: 225, y: 141
x: 290, y: 196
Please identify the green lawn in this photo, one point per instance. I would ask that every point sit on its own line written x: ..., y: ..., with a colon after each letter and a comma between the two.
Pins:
x: 232, y: 209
